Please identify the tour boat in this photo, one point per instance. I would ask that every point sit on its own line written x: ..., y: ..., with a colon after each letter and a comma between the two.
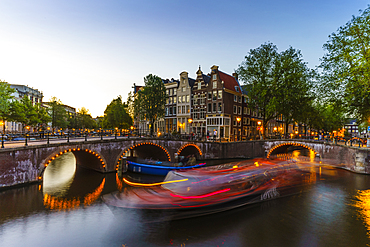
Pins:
x: 157, y: 167
x: 189, y: 193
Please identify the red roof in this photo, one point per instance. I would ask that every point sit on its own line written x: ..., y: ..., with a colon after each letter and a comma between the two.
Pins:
x: 229, y: 82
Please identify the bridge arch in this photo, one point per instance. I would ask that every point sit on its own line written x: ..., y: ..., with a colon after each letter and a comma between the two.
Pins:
x: 189, y: 147
x: 141, y: 144
x: 96, y: 161
x: 287, y: 144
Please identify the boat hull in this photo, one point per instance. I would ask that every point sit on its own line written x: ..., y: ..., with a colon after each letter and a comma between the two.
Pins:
x: 156, y: 169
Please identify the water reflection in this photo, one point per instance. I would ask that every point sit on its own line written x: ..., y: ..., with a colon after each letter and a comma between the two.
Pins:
x: 362, y: 203
x: 59, y: 174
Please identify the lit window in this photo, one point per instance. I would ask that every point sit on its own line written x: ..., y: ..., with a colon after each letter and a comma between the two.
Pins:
x: 215, y: 84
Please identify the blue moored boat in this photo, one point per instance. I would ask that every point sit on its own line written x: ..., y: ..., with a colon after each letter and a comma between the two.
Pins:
x: 157, y: 168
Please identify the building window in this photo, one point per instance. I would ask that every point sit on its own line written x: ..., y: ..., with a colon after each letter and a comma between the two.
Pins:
x: 209, y: 95
x: 202, y: 99
x: 235, y: 109
x: 209, y: 107
x: 187, y: 98
x: 174, y: 99
x: 183, y: 109
x: 214, y: 107
x: 179, y: 99
x: 183, y: 89
x: 214, y: 95
x: 240, y: 99
x: 168, y: 92
x: 235, y: 122
x: 215, y: 84
x: 195, y: 100
x: 199, y: 85
x: 166, y: 111
x: 167, y: 100
x: 219, y: 107
x: 170, y: 100
x: 170, y: 110
x: 235, y: 98
x: 183, y: 99
x: 202, y: 113
x: 220, y: 94
x: 174, y: 110
x: 214, y: 77
x: 239, y: 110
x: 179, y: 111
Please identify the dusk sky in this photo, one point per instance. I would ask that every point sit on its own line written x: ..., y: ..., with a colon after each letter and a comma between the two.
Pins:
x: 86, y: 53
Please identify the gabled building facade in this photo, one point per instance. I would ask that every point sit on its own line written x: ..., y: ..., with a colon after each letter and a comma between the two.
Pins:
x: 184, y: 103
x: 199, y: 106
x: 170, y: 116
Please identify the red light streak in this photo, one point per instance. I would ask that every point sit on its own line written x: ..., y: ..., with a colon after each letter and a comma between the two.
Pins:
x: 201, y: 196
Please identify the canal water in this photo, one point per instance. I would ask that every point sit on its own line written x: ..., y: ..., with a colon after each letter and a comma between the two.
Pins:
x: 67, y: 210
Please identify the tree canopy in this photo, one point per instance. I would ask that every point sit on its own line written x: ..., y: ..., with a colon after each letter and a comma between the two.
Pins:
x: 150, y: 100
x: 5, y: 101
x: 58, y: 114
x: 346, y: 66
x: 276, y: 83
x: 116, y: 115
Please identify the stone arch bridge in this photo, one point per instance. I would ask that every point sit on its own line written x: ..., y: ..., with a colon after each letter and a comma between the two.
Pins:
x: 26, y: 164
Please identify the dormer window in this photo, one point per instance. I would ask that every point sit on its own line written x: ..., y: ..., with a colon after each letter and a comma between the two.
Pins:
x: 237, y: 89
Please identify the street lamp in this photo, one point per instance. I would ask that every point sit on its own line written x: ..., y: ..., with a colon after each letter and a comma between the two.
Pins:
x: 115, y: 135
x: 190, y: 120
x: 259, y: 123
x: 2, y: 134
x: 238, y: 120
x: 275, y: 130
x: 48, y: 133
x: 28, y: 128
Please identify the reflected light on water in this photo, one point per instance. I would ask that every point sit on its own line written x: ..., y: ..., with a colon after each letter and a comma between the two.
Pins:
x: 56, y: 203
x: 59, y: 174
x: 363, y: 207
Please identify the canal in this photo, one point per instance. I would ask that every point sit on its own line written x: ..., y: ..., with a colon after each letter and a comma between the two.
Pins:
x: 333, y: 209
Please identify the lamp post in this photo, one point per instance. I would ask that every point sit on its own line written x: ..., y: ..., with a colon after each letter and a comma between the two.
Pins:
x: 2, y: 134
x: 190, y: 120
x: 259, y: 123
x: 28, y: 128
x: 115, y: 134
x: 238, y: 119
x: 275, y: 130
x: 48, y: 133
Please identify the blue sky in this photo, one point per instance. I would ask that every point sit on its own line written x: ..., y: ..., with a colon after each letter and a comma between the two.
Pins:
x: 86, y: 53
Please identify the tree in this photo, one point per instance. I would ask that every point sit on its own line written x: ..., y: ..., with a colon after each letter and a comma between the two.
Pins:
x: 42, y: 115
x: 346, y: 65
x: 5, y: 101
x: 116, y: 116
x: 30, y: 113
x: 294, y: 87
x: 276, y: 83
x: 84, y: 119
x: 58, y: 114
x: 150, y: 101
x: 258, y: 72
